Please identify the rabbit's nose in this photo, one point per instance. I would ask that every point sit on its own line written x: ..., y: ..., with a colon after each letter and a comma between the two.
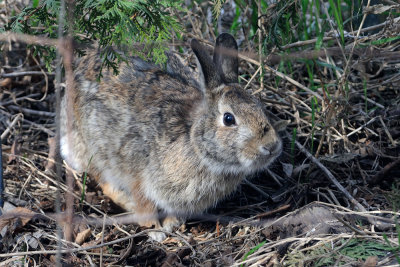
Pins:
x: 266, y: 150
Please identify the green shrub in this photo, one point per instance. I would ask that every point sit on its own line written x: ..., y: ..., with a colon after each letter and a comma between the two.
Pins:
x: 111, y: 23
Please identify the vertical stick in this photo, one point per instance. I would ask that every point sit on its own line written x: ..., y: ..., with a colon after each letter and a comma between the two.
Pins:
x: 58, y: 105
x: 259, y: 22
x: 1, y: 178
x: 68, y: 56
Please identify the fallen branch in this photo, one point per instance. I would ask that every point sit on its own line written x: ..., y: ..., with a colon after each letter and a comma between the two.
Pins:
x: 330, y: 177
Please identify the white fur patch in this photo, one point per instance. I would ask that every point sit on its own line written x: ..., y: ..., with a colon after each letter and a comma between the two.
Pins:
x: 68, y: 154
x: 90, y: 87
x: 152, y: 194
x: 218, y: 168
x: 246, y: 163
x: 114, y: 178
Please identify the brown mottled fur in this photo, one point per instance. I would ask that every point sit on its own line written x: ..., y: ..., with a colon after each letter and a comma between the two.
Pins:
x: 157, y: 139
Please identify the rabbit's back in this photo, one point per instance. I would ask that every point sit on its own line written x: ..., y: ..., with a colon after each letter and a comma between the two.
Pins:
x: 121, y: 119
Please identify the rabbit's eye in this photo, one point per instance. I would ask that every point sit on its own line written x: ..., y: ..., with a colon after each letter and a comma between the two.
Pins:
x: 229, y: 119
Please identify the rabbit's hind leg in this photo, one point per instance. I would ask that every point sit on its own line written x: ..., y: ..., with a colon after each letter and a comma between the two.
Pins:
x: 145, y: 212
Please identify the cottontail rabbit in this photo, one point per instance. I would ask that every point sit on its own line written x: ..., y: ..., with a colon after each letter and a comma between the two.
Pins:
x: 159, y: 142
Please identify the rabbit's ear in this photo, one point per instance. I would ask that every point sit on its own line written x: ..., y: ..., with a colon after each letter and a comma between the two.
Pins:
x: 226, y: 58
x: 211, y: 75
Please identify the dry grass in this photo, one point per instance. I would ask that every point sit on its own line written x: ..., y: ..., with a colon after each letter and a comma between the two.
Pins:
x: 353, y: 214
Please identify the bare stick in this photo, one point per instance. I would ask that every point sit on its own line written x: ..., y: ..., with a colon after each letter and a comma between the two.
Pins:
x: 312, y: 41
x: 387, y: 132
x: 361, y: 127
x: 18, y: 99
x: 33, y: 112
x: 24, y: 73
x: 68, y: 57
x: 40, y: 127
x: 330, y: 176
x: 58, y: 78
x: 29, y: 39
x: 281, y: 75
x: 16, y: 119
x: 260, y: 34
x: 384, y: 171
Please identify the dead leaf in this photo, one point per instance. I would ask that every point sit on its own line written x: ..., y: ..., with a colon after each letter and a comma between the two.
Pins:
x: 288, y: 169
x: 362, y: 140
x: 33, y: 239
x: 312, y: 219
x: 378, y: 9
x: 365, y: 151
x: 300, y: 168
x: 371, y: 261
x: 82, y: 236
x: 5, y: 82
x: 281, y: 125
x: 15, y: 219
x: 46, y: 204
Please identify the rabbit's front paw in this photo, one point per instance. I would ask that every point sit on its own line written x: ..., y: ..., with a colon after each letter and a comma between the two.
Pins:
x: 157, y: 236
x: 169, y: 225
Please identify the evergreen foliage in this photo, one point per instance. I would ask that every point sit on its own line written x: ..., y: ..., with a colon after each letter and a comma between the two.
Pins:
x: 112, y: 23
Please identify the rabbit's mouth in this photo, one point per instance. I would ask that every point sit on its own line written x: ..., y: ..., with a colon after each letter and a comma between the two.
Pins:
x: 240, y: 161
x: 261, y: 159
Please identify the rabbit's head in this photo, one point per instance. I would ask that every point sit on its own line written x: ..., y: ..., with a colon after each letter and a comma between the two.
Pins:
x: 232, y: 133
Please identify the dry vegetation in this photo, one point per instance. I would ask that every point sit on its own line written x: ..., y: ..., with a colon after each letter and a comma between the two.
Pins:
x: 331, y: 201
